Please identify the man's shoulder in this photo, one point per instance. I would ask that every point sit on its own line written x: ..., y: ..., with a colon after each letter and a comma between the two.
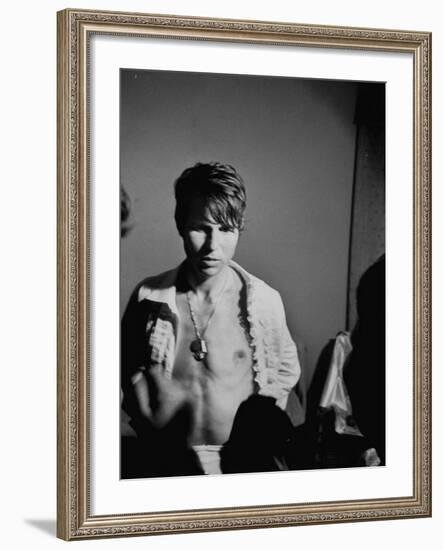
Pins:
x: 259, y: 287
x: 165, y: 279
x: 264, y: 290
x: 157, y: 285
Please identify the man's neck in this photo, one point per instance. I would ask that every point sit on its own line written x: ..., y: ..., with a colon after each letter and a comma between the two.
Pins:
x: 208, y: 289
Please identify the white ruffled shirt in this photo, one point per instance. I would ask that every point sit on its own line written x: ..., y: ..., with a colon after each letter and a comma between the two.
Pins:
x: 274, y: 353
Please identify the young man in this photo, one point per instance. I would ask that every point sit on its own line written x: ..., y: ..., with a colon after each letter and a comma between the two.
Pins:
x: 207, y: 358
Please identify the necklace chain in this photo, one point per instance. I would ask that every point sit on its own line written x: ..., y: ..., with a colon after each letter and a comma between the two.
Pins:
x: 198, y: 346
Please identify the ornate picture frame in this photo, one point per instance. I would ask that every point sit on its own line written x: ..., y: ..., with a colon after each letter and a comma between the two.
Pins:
x: 76, y: 518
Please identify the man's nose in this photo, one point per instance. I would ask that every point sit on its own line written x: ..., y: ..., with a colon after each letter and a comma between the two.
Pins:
x: 213, y: 239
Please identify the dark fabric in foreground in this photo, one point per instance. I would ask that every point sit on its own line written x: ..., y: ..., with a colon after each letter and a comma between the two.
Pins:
x: 262, y: 439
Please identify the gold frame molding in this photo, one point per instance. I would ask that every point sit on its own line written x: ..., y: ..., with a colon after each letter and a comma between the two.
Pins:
x: 75, y: 27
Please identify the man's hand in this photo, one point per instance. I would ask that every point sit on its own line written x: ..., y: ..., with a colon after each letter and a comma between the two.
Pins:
x: 163, y: 424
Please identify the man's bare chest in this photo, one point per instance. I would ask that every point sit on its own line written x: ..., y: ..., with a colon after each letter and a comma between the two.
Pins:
x: 226, y: 337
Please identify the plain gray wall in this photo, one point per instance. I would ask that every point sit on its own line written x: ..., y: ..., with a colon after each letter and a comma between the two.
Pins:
x: 292, y: 140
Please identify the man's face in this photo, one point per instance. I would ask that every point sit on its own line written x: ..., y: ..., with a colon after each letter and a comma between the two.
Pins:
x: 209, y: 246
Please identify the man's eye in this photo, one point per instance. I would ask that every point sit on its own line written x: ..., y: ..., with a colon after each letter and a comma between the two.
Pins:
x: 226, y: 228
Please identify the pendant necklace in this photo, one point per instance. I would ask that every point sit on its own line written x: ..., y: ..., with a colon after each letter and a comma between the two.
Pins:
x: 199, y: 347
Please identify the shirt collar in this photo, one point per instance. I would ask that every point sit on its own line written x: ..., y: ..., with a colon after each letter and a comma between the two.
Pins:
x: 163, y: 287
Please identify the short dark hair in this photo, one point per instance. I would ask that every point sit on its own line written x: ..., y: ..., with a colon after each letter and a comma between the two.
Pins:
x: 221, y: 188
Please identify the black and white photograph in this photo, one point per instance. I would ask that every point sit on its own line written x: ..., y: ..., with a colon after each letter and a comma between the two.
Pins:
x: 252, y: 274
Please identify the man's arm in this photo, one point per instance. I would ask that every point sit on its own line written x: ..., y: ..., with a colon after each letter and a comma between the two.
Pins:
x: 159, y: 410
x: 148, y: 393
x: 280, y: 355
x: 289, y: 369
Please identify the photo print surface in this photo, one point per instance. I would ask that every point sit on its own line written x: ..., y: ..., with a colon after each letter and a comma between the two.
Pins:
x: 252, y: 274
